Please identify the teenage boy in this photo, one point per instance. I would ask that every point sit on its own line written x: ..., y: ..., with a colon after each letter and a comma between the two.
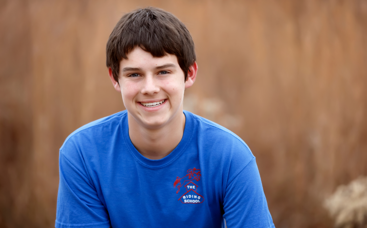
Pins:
x: 156, y: 165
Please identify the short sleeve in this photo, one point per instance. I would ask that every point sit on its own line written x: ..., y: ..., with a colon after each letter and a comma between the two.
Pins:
x: 244, y: 202
x: 78, y: 204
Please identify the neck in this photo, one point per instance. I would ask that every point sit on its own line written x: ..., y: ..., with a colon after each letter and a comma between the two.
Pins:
x: 157, y: 143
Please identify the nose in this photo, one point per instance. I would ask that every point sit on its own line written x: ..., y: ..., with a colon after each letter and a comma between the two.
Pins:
x: 150, y: 85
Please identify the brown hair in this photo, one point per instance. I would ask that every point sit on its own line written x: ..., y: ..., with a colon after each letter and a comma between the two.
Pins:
x: 155, y: 31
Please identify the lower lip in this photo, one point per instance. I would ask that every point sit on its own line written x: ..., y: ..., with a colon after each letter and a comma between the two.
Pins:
x: 153, y: 108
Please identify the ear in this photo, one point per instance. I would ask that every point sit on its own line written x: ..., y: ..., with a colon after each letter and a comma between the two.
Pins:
x: 115, y: 83
x: 191, y: 75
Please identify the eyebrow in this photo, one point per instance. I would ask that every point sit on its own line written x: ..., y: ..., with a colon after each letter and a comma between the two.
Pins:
x: 166, y: 66
x: 128, y: 69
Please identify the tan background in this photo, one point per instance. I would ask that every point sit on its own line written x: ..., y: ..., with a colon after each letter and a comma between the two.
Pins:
x: 289, y: 77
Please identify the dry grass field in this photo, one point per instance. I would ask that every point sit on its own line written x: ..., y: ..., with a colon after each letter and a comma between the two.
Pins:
x: 289, y: 77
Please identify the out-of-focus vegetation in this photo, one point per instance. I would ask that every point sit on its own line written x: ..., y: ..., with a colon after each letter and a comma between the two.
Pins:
x: 348, y: 204
x: 289, y: 77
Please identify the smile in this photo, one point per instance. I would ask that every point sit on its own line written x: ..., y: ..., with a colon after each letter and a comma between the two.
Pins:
x: 153, y: 104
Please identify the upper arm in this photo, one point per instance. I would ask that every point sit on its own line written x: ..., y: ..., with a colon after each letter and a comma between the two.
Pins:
x: 78, y: 202
x: 244, y: 201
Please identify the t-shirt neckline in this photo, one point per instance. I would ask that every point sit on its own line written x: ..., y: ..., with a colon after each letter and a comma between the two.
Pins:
x: 171, y: 157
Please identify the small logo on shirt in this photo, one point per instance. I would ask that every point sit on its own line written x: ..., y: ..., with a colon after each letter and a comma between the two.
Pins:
x: 188, y: 181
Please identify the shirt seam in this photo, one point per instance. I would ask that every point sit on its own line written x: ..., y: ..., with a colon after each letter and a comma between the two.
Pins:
x: 88, y: 224
x: 252, y: 159
x: 221, y: 128
x: 84, y: 128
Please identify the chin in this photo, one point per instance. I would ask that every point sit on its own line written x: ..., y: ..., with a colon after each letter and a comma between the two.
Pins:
x: 154, y: 124
x: 152, y: 119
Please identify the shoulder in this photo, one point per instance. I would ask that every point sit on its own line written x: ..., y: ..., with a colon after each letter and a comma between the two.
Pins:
x: 95, y: 131
x: 212, y: 127
x: 223, y: 154
x: 209, y: 130
x: 218, y: 141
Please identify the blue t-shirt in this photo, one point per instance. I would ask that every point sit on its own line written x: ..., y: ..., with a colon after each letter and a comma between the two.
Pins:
x: 210, y: 175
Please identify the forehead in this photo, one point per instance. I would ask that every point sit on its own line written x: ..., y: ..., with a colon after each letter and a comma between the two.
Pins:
x: 143, y: 59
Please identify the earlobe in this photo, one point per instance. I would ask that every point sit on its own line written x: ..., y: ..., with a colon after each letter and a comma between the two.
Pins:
x: 191, y: 75
x: 115, y: 83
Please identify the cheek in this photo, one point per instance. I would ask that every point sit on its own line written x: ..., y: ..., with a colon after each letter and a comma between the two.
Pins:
x: 129, y: 90
x: 173, y: 86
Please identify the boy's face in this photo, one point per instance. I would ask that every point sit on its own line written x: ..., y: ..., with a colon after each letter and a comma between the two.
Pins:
x: 152, y: 88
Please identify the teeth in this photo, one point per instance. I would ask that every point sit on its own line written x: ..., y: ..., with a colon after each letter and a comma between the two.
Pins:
x: 152, y: 104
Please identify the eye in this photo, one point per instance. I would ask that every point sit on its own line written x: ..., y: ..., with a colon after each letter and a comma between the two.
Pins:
x: 133, y: 75
x: 163, y: 72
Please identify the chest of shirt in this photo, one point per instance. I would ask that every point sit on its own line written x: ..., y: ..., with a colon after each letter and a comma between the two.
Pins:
x: 141, y: 196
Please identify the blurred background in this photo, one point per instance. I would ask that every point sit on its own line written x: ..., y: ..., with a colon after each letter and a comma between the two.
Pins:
x: 289, y: 77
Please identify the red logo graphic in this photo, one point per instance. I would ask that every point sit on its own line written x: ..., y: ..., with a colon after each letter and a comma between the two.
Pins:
x: 190, y: 196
